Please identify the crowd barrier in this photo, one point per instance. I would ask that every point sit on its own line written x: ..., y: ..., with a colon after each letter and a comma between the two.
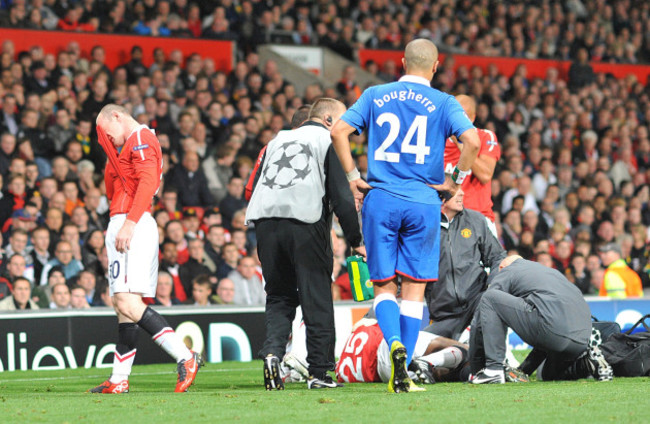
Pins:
x: 507, y: 65
x: 52, y: 340
x: 118, y: 47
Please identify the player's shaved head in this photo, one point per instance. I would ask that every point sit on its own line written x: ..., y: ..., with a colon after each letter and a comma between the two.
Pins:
x: 325, y: 108
x: 468, y: 104
x: 108, y: 111
x: 420, y: 55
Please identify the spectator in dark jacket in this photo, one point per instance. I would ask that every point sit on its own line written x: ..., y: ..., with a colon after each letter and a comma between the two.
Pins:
x: 199, y: 263
x: 188, y: 178
x: 233, y: 201
x: 581, y: 73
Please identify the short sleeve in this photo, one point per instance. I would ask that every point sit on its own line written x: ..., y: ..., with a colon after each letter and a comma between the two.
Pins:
x: 456, y: 119
x: 358, y: 114
x: 489, y: 144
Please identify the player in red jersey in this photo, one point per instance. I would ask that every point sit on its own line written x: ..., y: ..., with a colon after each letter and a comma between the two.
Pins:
x: 366, y: 357
x: 478, y: 186
x: 132, y: 178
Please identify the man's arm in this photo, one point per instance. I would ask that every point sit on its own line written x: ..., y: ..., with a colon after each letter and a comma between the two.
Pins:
x: 483, y: 167
x: 147, y: 177
x: 341, y: 143
x: 467, y: 157
x: 255, y: 174
x: 471, y: 147
x: 491, y: 251
x: 342, y: 200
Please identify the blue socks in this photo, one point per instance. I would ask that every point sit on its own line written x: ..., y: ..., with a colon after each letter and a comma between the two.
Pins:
x: 410, y: 319
x: 399, y: 323
x: 388, y: 317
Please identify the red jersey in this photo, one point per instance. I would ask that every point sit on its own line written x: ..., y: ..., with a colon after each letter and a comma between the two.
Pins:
x: 140, y: 163
x: 358, y: 361
x: 478, y: 196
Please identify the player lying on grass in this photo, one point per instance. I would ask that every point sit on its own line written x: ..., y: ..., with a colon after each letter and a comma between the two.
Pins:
x: 366, y: 357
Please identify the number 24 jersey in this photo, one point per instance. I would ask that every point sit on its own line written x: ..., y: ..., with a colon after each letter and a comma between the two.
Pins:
x: 408, y: 122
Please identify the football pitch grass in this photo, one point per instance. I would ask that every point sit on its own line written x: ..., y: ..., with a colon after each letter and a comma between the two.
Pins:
x: 234, y: 392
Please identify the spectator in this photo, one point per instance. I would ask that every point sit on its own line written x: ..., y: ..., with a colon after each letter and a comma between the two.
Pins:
x: 88, y: 281
x: 191, y: 224
x: 225, y: 292
x: 20, y: 297
x: 190, y: 182
x: 13, y: 198
x: 78, y: 298
x: 42, y: 295
x: 60, y: 297
x: 581, y: 73
x: 619, y: 281
x: 63, y: 257
x: 15, y: 268
x: 40, y: 254
x: 174, y: 232
x: 198, y: 264
x: 215, y: 240
x: 201, y: 290
x: 233, y: 201
x: 229, y: 259
x: 249, y: 289
x: 170, y: 265
x: 218, y: 171
x: 164, y: 296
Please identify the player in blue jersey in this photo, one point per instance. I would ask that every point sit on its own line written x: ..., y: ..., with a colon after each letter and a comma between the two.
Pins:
x: 407, y: 123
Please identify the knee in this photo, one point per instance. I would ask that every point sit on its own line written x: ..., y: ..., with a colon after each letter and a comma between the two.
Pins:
x: 125, y: 306
x: 488, y: 299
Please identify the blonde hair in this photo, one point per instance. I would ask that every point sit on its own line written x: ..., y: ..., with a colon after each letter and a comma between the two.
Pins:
x: 108, y: 110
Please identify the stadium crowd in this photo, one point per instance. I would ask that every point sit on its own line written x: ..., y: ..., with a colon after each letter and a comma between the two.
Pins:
x: 571, y: 190
x: 615, y: 32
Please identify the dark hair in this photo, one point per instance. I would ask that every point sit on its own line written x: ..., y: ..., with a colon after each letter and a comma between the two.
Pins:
x: 202, y: 280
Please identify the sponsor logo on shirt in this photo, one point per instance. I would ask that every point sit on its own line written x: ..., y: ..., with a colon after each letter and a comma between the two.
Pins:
x: 140, y: 147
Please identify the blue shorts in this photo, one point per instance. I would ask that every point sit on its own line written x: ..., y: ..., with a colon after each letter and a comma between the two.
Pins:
x: 401, y: 237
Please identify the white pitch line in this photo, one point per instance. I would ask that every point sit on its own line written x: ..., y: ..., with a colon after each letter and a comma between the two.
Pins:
x: 79, y: 377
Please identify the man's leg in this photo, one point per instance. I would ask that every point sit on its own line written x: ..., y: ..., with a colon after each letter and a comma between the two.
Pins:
x: 313, y: 263
x: 451, y: 328
x: 497, y: 311
x: 281, y: 295
x: 281, y: 289
x: 411, y: 314
x: 476, y: 348
x: 125, y: 350
x: 131, y: 307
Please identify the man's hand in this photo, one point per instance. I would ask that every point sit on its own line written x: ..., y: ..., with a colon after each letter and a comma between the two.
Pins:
x: 359, y: 190
x: 124, y: 236
x: 360, y: 250
x: 449, y: 185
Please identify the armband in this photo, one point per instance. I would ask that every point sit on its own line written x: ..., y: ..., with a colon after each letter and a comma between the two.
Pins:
x: 353, y: 175
x: 459, y: 176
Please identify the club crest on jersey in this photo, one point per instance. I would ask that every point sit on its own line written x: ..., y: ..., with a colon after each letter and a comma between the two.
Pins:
x: 466, y: 233
x: 140, y: 147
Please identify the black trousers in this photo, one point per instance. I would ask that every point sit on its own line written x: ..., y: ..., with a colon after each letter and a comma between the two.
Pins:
x: 452, y: 327
x: 497, y: 311
x: 297, y: 264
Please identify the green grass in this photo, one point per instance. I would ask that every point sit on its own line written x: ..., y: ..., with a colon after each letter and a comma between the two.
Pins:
x: 233, y: 392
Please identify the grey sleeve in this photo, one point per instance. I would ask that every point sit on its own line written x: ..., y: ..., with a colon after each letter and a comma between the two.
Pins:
x: 492, y: 253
